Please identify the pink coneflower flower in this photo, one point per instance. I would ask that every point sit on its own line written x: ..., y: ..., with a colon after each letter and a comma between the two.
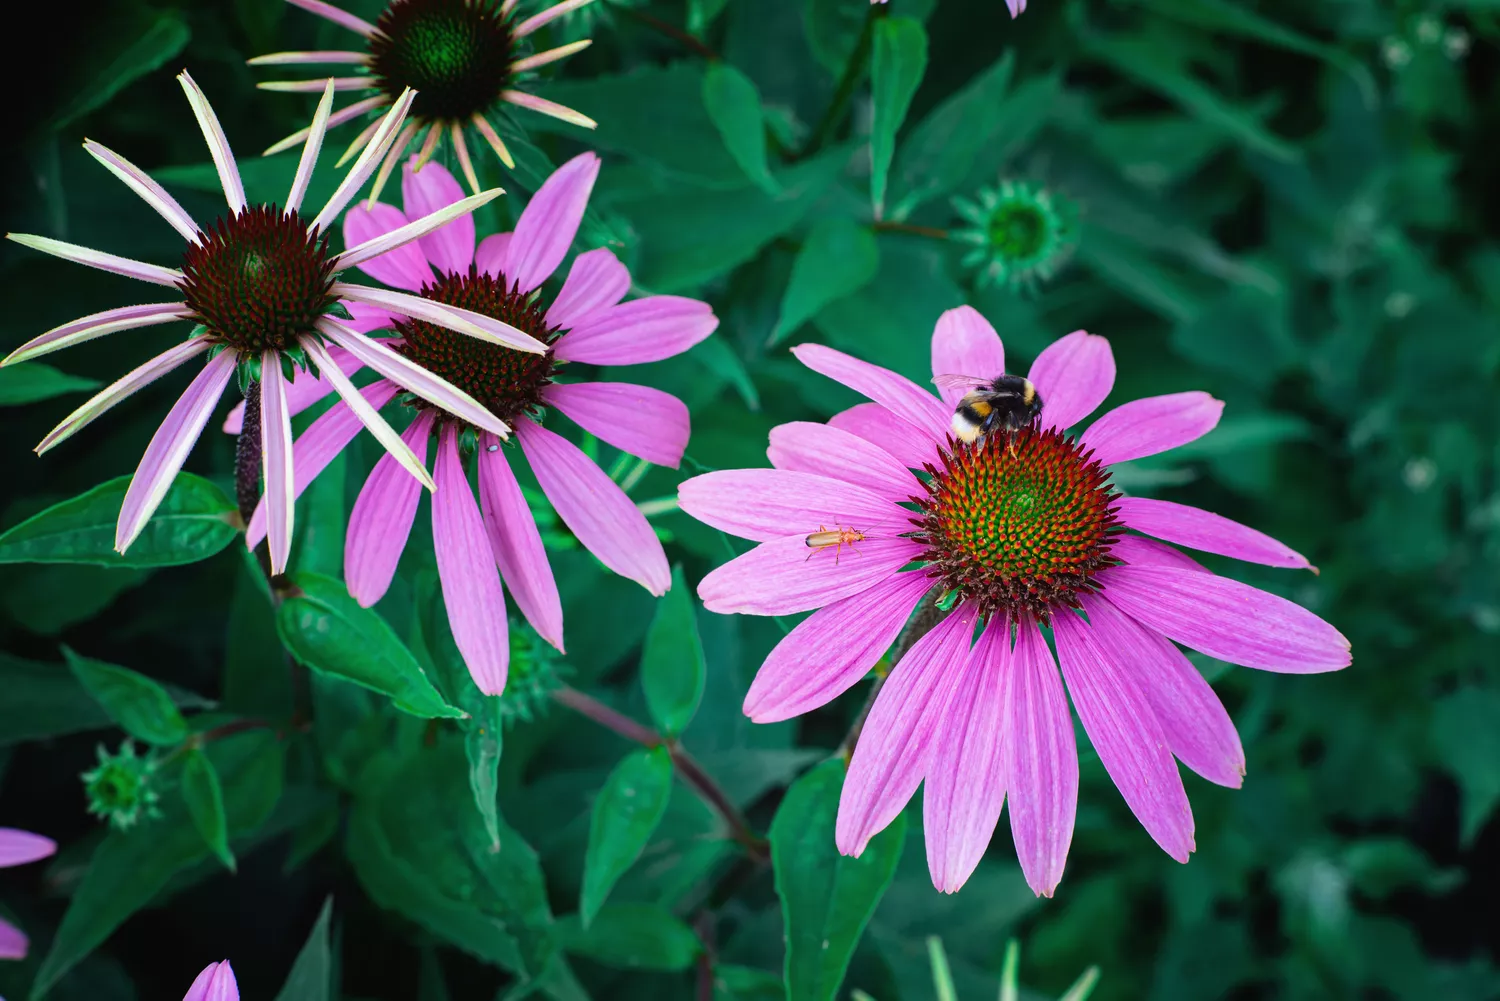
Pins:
x: 215, y: 983
x: 1019, y: 529
x: 584, y: 322
x: 464, y: 58
x: 260, y: 283
x: 18, y: 848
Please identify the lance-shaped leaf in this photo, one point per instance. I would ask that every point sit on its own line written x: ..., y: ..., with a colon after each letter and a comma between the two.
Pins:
x: 900, y: 60
x: 625, y: 815
x: 312, y: 973
x: 205, y: 802
x: 672, y: 665
x: 838, y: 257
x: 734, y: 105
x: 139, y: 705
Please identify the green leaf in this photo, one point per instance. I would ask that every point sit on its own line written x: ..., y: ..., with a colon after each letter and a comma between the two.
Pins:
x: 720, y: 358
x: 31, y: 382
x: 672, y: 665
x: 734, y: 105
x: 141, y: 706
x: 632, y: 936
x: 839, y: 257
x: 625, y: 814
x: 205, y: 803
x: 129, y: 869
x: 826, y: 898
x: 194, y: 521
x: 701, y: 13
x: 900, y: 60
x: 328, y: 631
x: 1468, y: 745
x: 47, y: 700
x: 143, y: 47
x: 745, y: 983
x: 311, y: 978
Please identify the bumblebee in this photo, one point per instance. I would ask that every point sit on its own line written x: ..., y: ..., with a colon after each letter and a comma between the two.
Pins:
x: 1008, y: 403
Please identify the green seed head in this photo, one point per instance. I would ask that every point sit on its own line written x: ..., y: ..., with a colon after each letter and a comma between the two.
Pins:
x: 119, y: 788
x: 1021, y: 233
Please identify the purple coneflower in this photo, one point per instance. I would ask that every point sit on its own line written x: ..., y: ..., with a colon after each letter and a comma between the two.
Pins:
x: 464, y: 58
x: 1020, y: 529
x: 215, y: 983
x: 260, y: 283
x: 18, y: 848
x: 585, y: 322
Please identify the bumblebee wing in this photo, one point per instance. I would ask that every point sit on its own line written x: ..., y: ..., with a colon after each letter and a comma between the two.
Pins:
x: 954, y: 381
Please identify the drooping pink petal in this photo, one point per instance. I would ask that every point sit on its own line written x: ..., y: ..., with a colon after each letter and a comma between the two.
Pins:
x: 215, y: 983
x: 489, y: 257
x: 455, y: 318
x: 86, y: 328
x: 303, y: 391
x: 169, y: 448
x: 1137, y: 549
x: 382, y: 517
x: 596, y: 510
x: 466, y: 569
x: 902, y: 732
x: 1151, y: 425
x: 121, y: 389
x: 20, y: 847
x: 784, y: 577
x: 561, y: 112
x: 549, y: 222
x: 365, y: 318
x: 310, y: 150
x: 1226, y: 619
x: 540, y: 59
x: 638, y: 331
x: 276, y: 460
x: 1072, y: 375
x: 964, y: 343
x: 418, y: 229
x: 966, y: 780
x: 370, y: 418
x: 337, y: 15
x: 1198, y: 730
x: 1127, y: 735
x: 13, y: 941
x: 150, y: 192
x: 640, y: 420
x: 597, y: 280
x: 428, y: 190
x: 548, y: 14
x: 384, y: 135
x: 1041, y: 761
x: 405, y: 267
x: 218, y: 143
x: 319, y: 445
x: 113, y: 263
x: 910, y: 446
x: 766, y: 504
x: 1206, y: 532
x: 808, y: 447
x: 517, y: 544
x: 829, y: 651
x: 345, y: 114
x: 896, y: 393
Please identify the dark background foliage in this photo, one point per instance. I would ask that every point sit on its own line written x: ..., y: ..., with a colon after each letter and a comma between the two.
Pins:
x: 1291, y: 205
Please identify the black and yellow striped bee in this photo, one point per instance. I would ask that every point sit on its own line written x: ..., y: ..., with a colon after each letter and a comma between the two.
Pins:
x: 1007, y: 403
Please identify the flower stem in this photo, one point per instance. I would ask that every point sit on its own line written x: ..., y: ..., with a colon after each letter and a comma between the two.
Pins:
x: 247, y: 455
x: 927, y: 616
x: 854, y: 71
x: 687, y: 767
x: 931, y: 232
x: 673, y: 32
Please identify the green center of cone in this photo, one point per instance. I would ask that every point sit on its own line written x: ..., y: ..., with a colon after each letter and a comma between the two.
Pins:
x: 456, y: 54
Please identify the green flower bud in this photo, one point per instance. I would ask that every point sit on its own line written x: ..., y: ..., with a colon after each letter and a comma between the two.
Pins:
x: 119, y: 787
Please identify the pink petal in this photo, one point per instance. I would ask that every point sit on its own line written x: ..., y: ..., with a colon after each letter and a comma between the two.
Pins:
x: 169, y: 448
x: 276, y: 456
x: 20, y: 847
x: 86, y: 328
x: 319, y: 445
x: 405, y: 267
x: 489, y: 258
x: 1198, y: 730
x: 597, y: 280
x: 804, y: 446
x: 964, y: 343
x: 1072, y: 375
x: 215, y: 983
x: 549, y: 222
x: 139, y: 270
x: 966, y: 780
x: 148, y: 190
x: 640, y: 420
x: 595, y: 509
x: 303, y: 391
x: 450, y: 249
x: 466, y: 568
x: 765, y: 504
x: 783, y: 577
x: 339, y: 17
x: 366, y: 318
x: 1125, y: 731
x: 122, y: 389
x: 1139, y: 550
x: 517, y: 544
x: 902, y: 732
x: 1206, y: 532
x: 896, y: 393
x: 639, y: 331
x: 829, y: 651
x: 1155, y: 424
x: 1041, y: 761
x: 872, y: 422
x: 13, y: 941
x: 218, y: 144
x: 382, y: 517
x: 1226, y: 619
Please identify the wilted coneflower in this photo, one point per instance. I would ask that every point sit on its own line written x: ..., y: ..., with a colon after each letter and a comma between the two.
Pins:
x: 585, y: 322
x: 464, y: 58
x: 263, y: 289
x: 1018, y: 529
x: 1021, y: 233
x: 18, y: 848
